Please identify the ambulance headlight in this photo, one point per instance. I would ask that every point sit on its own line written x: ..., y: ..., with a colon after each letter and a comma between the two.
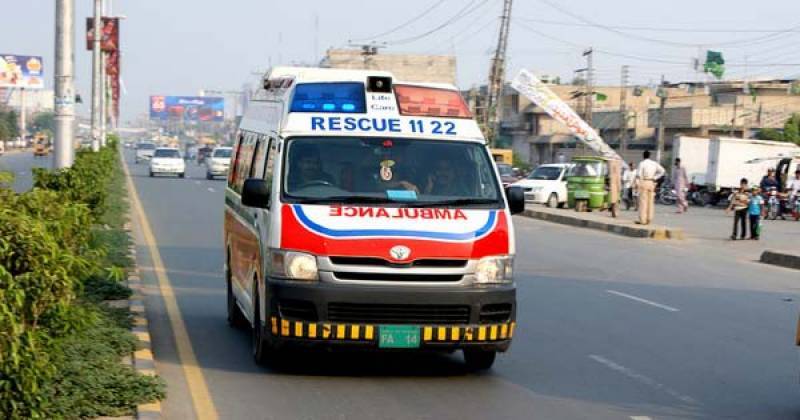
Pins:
x: 494, y: 270
x: 293, y: 265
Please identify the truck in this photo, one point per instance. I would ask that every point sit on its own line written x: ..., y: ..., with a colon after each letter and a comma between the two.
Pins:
x: 717, y: 164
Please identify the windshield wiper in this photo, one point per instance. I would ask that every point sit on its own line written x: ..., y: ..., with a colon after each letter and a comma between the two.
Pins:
x: 456, y: 202
x: 344, y: 199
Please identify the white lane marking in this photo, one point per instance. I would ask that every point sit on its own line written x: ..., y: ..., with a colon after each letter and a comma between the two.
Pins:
x: 645, y: 301
x: 210, y: 189
x: 638, y: 377
x: 640, y: 418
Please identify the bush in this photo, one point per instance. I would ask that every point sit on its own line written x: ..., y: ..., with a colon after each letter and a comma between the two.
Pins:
x: 60, y: 348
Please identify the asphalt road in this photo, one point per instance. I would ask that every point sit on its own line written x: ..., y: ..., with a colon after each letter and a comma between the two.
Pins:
x: 20, y: 163
x: 608, y: 328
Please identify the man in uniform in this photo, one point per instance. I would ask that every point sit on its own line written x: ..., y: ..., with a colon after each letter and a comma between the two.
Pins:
x: 646, y: 175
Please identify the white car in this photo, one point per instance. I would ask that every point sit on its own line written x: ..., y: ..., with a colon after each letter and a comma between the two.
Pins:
x: 144, y: 151
x: 218, y: 163
x: 547, y: 185
x: 167, y: 160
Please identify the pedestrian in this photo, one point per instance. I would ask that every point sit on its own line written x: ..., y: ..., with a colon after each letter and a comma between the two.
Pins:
x: 755, y: 208
x: 646, y: 175
x: 681, y: 184
x: 739, y: 202
x: 628, y: 177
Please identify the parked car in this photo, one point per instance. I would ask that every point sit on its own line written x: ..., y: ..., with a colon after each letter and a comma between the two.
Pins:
x: 144, y: 151
x: 167, y: 160
x: 547, y: 184
x: 507, y: 174
x: 218, y: 162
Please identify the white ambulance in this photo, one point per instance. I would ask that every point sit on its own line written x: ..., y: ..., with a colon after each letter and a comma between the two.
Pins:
x: 365, y: 211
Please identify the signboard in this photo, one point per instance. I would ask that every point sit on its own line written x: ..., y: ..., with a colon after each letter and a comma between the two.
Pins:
x: 109, y: 34
x: 21, y: 71
x: 531, y: 87
x: 187, y: 108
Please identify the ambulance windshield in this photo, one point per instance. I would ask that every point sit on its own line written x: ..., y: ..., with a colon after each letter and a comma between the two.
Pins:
x: 393, y: 171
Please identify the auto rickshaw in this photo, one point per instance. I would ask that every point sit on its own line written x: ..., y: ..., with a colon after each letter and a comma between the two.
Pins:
x: 41, y: 146
x: 593, y: 183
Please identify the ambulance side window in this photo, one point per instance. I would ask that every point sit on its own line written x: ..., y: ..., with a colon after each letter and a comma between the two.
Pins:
x: 244, y: 161
x: 270, y: 161
x: 237, y: 154
x: 261, y: 157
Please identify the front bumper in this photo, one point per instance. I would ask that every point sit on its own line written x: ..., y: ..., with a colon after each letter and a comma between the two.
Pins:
x: 320, y: 330
x: 218, y: 170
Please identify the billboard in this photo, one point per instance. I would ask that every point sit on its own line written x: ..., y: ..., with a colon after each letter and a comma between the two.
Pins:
x: 109, y: 34
x: 21, y: 71
x: 187, y: 108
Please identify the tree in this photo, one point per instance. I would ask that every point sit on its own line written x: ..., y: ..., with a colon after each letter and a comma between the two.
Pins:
x: 44, y: 121
x: 791, y: 130
x: 11, y: 120
x: 770, y: 134
x: 4, y: 131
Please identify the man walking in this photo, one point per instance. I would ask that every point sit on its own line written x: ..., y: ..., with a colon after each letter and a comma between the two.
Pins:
x: 740, y: 201
x: 646, y: 175
x: 628, y: 177
x: 681, y: 183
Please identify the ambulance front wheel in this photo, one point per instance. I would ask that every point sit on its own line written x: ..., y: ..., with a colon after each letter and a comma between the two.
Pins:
x: 477, y: 359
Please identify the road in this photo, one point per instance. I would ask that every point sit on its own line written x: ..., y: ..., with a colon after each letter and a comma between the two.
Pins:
x: 608, y: 328
x: 20, y: 163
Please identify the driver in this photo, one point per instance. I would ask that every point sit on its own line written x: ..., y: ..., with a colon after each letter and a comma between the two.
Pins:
x: 307, y: 168
x: 445, y: 181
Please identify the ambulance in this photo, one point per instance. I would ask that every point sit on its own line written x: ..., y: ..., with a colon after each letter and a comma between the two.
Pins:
x: 367, y: 212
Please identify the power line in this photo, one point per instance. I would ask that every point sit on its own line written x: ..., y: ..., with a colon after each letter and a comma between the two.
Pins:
x: 465, y: 11
x: 404, y: 24
x: 667, y: 42
x: 654, y: 28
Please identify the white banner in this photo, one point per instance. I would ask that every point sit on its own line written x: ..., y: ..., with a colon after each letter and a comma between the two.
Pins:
x: 529, y: 85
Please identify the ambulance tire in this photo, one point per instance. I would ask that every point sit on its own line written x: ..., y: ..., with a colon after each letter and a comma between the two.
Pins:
x: 478, y: 360
x: 261, y: 348
x: 236, y: 318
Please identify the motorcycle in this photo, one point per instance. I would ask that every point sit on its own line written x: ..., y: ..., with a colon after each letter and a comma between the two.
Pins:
x: 773, y: 204
x: 697, y: 195
x: 666, y: 195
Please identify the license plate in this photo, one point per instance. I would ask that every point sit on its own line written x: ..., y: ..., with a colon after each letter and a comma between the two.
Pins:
x: 581, y: 194
x: 398, y: 337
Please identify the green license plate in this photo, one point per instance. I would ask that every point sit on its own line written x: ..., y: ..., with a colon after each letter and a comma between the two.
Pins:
x: 581, y: 194
x: 398, y: 337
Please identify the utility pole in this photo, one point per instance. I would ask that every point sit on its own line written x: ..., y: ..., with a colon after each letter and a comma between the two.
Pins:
x: 732, y: 130
x: 63, y: 151
x: 623, y: 112
x: 97, y: 83
x: 103, y: 98
x: 494, y: 91
x: 589, y: 95
x: 662, y: 94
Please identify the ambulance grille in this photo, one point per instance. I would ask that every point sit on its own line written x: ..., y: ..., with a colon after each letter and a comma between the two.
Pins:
x: 379, y: 262
x: 398, y: 277
x: 398, y: 314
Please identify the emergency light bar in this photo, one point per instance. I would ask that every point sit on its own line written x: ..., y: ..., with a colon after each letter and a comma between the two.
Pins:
x: 346, y: 97
x: 421, y: 101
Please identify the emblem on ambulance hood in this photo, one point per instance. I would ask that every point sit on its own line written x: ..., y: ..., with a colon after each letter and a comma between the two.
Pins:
x: 400, y: 252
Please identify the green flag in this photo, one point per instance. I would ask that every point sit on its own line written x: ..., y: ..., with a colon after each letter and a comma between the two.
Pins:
x: 715, y: 64
x: 600, y: 96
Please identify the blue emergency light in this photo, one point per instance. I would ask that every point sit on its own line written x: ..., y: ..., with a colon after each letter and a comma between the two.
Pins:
x: 344, y: 97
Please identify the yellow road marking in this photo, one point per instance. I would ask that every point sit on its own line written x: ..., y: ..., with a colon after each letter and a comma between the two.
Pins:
x: 198, y: 389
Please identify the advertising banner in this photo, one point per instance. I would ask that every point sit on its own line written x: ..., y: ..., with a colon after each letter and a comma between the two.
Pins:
x: 187, y: 108
x: 531, y: 87
x: 21, y: 71
x: 110, y: 34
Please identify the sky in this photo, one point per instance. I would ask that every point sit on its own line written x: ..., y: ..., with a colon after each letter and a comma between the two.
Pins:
x: 180, y: 47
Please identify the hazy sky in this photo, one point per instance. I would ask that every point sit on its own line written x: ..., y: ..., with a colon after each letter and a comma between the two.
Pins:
x: 182, y: 46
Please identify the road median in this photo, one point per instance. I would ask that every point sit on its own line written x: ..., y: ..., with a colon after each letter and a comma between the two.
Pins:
x: 781, y: 258
x: 603, y: 222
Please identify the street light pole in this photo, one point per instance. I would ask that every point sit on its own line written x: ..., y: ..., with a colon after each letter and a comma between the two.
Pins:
x: 63, y: 150
x: 97, y: 83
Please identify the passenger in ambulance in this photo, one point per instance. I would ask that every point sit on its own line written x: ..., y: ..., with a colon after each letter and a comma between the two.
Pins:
x: 444, y: 180
x: 306, y: 168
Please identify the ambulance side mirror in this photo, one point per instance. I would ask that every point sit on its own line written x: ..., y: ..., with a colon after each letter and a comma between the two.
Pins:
x: 516, y: 199
x: 255, y: 193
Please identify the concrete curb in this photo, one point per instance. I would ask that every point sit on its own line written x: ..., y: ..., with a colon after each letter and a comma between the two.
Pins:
x: 143, y: 360
x: 782, y: 259
x: 610, y: 226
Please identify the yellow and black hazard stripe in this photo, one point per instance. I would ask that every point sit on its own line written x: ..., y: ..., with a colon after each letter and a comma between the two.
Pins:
x: 369, y: 333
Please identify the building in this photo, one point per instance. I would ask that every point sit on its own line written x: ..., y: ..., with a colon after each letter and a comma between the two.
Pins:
x: 405, y: 67
x: 36, y: 100
x: 734, y: 108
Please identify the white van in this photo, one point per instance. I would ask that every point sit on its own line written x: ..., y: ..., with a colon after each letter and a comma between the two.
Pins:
x: 367, y: 212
